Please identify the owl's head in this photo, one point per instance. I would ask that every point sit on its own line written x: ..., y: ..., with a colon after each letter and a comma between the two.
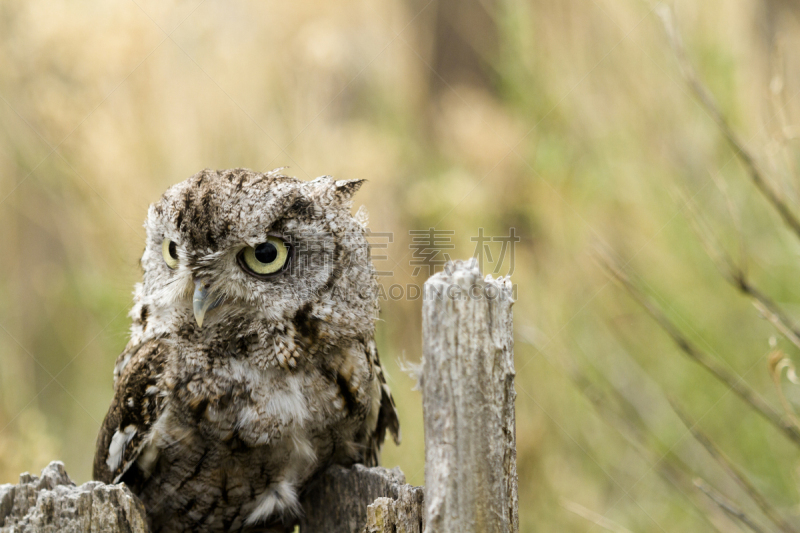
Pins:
x: 232, y: 246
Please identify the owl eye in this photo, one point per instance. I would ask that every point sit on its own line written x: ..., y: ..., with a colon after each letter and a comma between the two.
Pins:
x: 267, y: 258
x: 169, y: 250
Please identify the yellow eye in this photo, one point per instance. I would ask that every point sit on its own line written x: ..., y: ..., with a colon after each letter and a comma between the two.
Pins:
x: 170, y: 252
x: 266, y: 258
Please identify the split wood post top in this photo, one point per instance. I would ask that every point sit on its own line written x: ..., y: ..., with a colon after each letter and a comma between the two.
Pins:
x: 468, y: 402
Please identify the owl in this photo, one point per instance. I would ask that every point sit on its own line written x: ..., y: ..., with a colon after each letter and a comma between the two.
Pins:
x: 252, y: 362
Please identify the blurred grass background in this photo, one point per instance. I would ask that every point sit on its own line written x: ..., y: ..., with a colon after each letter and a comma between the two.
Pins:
x: 564, y: 119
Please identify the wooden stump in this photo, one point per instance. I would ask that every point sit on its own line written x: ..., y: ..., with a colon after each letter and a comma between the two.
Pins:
x: 53, y: 504
x: 468, y: 401
x: 362, y: 500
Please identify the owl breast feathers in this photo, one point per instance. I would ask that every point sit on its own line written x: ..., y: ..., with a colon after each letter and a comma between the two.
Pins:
x: 252, y: 362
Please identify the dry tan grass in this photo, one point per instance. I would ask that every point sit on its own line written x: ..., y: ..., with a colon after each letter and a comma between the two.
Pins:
x: 582, y: 138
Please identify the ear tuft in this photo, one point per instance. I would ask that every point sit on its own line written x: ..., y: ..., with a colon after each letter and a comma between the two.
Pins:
x: 326, y: 190
x: 345, y: 189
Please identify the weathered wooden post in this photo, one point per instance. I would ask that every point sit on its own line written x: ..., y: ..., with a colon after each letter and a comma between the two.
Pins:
x: 468, y: 401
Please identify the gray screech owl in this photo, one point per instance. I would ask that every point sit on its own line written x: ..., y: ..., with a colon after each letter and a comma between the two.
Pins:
x: 252, y: 362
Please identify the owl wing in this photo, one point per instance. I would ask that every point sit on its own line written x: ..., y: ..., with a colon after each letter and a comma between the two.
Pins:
x: 386, y: 411
x: 138, y: 402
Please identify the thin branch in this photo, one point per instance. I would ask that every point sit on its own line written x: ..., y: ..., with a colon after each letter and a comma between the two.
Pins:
x: 726, y: 505
x: 733, y: 382
x: 633, y: 429
x: 787, y: 330
x: 707, y: 101
x: 733, y: 471
x: 737, y: 277
x: 593, y: 517
x: 722, y: 186
x: 767, y: 307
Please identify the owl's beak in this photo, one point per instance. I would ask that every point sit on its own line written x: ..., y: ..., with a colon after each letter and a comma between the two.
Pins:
x: 202, y: 302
